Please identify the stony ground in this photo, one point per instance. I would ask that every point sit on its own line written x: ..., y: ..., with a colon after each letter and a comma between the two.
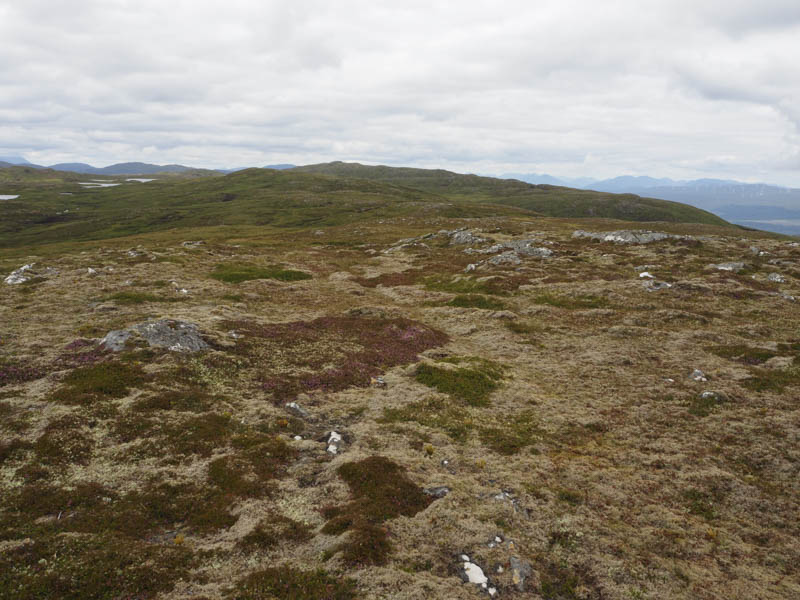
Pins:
x: 516, y: 412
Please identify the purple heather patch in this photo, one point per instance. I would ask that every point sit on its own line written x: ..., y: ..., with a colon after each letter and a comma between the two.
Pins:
x: 384, y: 343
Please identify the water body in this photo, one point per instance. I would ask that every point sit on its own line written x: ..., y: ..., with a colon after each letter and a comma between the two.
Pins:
x: 95, y: 184
x: 140, y: 180
x: 787, y: 226
x: 8, y: 197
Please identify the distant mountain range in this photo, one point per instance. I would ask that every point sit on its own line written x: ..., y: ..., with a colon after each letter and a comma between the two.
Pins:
x: 757, y: 205
x: 127, y: 168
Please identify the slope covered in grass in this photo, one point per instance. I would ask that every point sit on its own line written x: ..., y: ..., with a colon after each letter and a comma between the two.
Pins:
x: 548, y: 200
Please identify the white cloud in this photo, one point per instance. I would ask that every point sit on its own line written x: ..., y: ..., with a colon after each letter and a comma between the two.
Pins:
x: 573, y: 87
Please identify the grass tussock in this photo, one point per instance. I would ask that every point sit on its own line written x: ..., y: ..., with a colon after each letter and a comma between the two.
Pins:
x: 239, y: 272
x: 585, y: 301
x: 434, y: 412
x: 476, y: 301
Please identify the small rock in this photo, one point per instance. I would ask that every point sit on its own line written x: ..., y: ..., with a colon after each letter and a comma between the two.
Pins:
x: 378, y: 382
x: 91, y: 271
x: 520, y: 571
x: 651, y: 285
x: 472, y: 573
x: 461, y: 237
x: 192, y: 243
x: 506, y: 258
x: 641, y: 268
x: 18, y: 276
x: 115, y: 340
x: 297, y: 410
x: 470, y: 267
x: 776, y: 278
x: 698, y: 375
x: 646, y: 274
x: 438, y: 491
x: 298, y: 438
x: 734, y: 267
x: 234, y: 335
x: 334, y: 441
x: 715, y: 396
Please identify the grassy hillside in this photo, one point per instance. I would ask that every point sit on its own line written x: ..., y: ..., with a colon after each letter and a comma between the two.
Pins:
x: 55, y: 208
x: 546, y: 199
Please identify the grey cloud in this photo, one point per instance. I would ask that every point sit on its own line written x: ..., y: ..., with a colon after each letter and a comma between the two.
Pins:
x: 574, y: 87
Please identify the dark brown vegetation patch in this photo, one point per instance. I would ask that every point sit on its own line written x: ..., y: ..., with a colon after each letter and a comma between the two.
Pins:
x: 12, y: 371
x: 331, y: 353
x: 381, y: 491
x: 91, y: 567
x: 293, y: 584
x: 100, y: 381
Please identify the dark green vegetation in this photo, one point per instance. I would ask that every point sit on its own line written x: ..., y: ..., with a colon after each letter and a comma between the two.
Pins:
x: 97, y: 382
x: 472, y: 384
x: 237, y: 273
x: 476, y: 301
x: 381, y: 491
x: 316, y: 196
x: 288, y: 583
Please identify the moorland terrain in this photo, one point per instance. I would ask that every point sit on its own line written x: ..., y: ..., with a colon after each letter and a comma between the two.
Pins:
x: 342, y: 381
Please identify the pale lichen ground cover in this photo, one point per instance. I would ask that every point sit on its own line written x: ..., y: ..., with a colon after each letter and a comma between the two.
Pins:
x: 563, y: 422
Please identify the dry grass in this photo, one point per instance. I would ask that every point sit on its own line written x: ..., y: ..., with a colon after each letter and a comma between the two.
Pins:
x: 572, y: 429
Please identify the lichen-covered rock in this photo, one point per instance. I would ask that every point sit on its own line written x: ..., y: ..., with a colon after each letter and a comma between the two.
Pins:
x: 627, y: 236
x: 520, y: 571
x: 506, y: 258
x: 176, y: 336
x: 437, y: 492
x: 776, y: 278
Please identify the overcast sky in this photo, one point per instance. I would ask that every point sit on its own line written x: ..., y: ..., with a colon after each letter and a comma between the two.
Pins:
x: 675, y: 88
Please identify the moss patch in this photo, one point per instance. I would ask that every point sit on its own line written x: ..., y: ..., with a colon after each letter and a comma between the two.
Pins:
x: 239, y: 272
x: 472, y: 385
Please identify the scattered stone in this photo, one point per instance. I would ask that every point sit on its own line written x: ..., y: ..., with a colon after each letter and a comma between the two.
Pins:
x: 439, y: 491
x: 192, y: 243
x: 713, y: 396
x: 297, y: 410
x: 472, y: 573
x: 651, y: 285
x: 91, y: 271
x: 470, y: 267
x: 462, y: 237
x: 628, y: 236
x: 786, y: 296
x: 298, y: 438
x: 734, y: 267
x: 506, y: 258
x: 698, y: 375
x: 176, y: 336
x: 646, y: 274
x: 641, y: 268
x: 503, y: 314
x: 520, y: 571
x: 378, y: 382
x: 776, y: 278
x: 115, y: 340
x: 495, y: 541
x: 18, y: 276
x: 334, y: 441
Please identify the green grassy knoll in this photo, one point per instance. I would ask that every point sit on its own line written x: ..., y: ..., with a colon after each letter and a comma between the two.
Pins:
x: 548, y: 200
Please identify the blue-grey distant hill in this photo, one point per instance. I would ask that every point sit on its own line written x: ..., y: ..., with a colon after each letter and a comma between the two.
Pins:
x: 757, y: 205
